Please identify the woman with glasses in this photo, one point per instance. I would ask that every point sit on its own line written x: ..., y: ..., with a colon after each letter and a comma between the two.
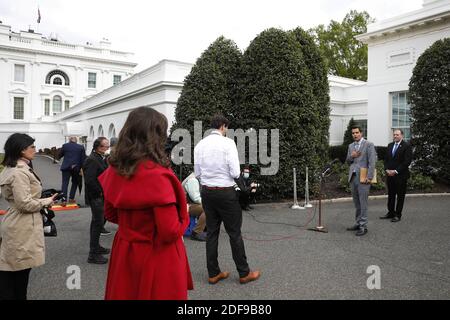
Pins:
x: 22, y: 235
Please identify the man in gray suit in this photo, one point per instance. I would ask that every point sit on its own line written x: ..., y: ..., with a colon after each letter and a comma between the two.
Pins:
x: 361, y: 154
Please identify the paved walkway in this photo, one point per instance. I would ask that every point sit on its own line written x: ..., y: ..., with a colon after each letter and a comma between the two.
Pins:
x: 413, y: 256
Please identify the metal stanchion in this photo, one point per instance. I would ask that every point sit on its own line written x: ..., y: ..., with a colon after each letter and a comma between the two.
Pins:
x: 296, y: 205
x: 307, y: 204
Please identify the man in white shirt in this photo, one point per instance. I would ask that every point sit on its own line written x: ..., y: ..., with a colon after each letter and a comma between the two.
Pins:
x: 216, y: 165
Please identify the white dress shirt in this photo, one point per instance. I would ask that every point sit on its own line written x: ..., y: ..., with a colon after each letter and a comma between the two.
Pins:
x: 216, y: 161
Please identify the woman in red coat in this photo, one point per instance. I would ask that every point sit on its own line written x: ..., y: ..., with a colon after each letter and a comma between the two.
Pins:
x: 144, y: 197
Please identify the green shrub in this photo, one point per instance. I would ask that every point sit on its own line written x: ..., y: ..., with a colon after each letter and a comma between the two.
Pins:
x: 429, y: 94
x: 348, y: 137
x: 418, y: 181
x: 278, y: 93
x: 381, y: 177
x: 338, y: 152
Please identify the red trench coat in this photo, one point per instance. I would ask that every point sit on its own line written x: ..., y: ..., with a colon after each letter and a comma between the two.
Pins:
x: 148, y: 257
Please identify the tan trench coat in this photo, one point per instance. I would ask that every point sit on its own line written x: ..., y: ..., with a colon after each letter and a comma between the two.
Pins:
x: 21, y: 230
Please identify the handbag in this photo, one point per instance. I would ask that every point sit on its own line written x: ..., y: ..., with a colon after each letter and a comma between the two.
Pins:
x: 49, y: 225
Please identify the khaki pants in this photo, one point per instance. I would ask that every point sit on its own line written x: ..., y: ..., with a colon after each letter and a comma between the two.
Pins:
x: 196, y: 210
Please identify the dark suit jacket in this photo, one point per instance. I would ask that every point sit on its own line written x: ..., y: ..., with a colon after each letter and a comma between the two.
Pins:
x: 74, y: 156
x: 401, y: 160
x: 93, y: 167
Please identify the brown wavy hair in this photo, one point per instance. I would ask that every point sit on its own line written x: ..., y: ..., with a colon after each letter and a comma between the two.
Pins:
x: 142, y: 137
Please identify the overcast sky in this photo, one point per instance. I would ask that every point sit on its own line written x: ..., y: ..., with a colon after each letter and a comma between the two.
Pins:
x: 181, y: 29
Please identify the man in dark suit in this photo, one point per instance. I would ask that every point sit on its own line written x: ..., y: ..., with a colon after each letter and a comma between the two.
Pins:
x: 93, y: 167
x: 74, y: 156
x: 396, y: 163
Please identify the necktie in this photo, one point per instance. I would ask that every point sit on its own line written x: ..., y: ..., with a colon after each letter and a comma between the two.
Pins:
x: 394, y: 149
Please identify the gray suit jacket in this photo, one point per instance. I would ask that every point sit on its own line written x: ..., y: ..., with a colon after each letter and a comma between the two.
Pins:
x: 367, y: 159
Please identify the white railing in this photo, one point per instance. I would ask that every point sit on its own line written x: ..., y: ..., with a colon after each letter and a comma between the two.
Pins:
x: 58, y: 44
x: 118, y: 53
x: 19, y: 39
x: 93, y: 50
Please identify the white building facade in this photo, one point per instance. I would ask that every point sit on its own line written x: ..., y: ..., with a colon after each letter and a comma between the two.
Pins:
x: 394, y: 46
x: 41, y: 78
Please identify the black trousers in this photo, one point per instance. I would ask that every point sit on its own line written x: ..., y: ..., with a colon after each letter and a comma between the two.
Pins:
x: 14, y: 284
x: 66, y: 176
x: 223, y: 206
x: 97, y: 222
x: 396, y: 191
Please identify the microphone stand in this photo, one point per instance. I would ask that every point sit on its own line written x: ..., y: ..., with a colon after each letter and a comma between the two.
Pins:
x: 320, y: 227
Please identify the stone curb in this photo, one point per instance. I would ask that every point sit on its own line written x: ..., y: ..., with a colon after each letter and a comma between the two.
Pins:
x: 349, y: 199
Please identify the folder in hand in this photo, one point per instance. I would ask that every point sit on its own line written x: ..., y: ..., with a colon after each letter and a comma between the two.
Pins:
x: 363, y: 175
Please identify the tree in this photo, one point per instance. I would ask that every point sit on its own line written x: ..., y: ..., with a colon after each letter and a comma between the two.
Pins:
x: 318, y: 72
x: 344, y: 55
x: 429, y: 94
x: 348, y: 138
x: 209, y: 88
x: 277, y: 93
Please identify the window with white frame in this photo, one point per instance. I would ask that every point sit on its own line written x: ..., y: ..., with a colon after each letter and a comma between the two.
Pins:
x: 47, y: 107
x: 66, y: 105
x: 401, y: 113
x: 91, y: 133
x: 100, y: 131
x: 117, y: 78
x: 111, y: 131
x: 92, y: 80
x: 57, y: 81
x: 19, y: 108
x: 19, y: 73
x: 57, y: 104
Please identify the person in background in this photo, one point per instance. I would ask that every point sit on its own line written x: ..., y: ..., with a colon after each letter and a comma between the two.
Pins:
x: 396, y: 163
x: 93, y: 167
x: 112, y: 144
x: 74, y: 155
x: 247, y: 189
x: 145, y: 198
x: 22, y: 245
x: 192, y: 188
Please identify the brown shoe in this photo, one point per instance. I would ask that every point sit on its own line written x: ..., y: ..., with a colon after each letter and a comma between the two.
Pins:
x: 220, y: 276
x: 72, y: 201
x: 252, y: 276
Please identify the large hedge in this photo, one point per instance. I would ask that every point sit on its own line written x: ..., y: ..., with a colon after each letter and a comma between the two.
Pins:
x: 320, y: 86
x: 277, y: 93
x: 429, y: 93
x: 210, y: 88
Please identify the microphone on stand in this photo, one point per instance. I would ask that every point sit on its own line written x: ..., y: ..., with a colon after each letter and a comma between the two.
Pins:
x: 328, y: 167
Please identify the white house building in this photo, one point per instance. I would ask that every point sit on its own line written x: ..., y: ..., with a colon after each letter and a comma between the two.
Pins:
x: 41, y: 78
x: 394, y: 46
